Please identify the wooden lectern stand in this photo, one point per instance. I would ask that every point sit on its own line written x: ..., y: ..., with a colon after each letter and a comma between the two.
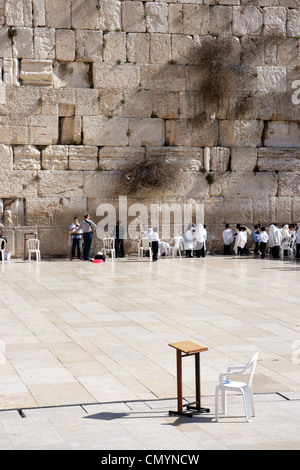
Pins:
x: 183, y: 349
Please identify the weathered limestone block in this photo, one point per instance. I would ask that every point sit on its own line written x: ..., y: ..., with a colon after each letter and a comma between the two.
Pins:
x: 176, y: 15
x: 44, y: 43
x: 23, y: 43
x: 83, y: 158
x: 88, y: 45
x: 166, y: 105
x: 263, y: 211
x: 287, y: 53
x: 214, y: 211
x: 296, y: 209
x: 14, y: 130
x: 278, y: 159
x: 116, y: 77
x: 27, y: 157
x: 247, y: 20
x: 182, y: 49
x: 196, y: 19
x: 39, y: 13
x: 6, y: 157
x: 138, y: 47
x: 271, y: 79
x: 282, y: 134
x: 70, y: 130
x: 5, y: 43
x: 84, y: 14
x: 192, y: 104
x: 238, y: 209
x: 14, y: 12
x: 243, y: 159
x: 138, y: 104
x: 43, y: 130
x: 100, y: 184
x: 55, y: 157
x: 219, y: 158
x: 64, y: 184
x: 133, y: 17
x: 115, y: 47
x: 187, y: 158
x: 105, y: 131
x: 185, y: 132
x: 58, y: 13
x: 283, y: 210
x: 240, y: 133
x: 163, y: 77
x: 220, y: 20
x: 65, y: 45
x: 274, y: 21
x: 53, y: 212
x: 119, y: 158
x: 244, y: 185
x: 110, y: 15
x: 18, y: 184
x: 72, y: 75
x: 157, y: 17
x: 293, y: 23
x: 289, y: 184
x: 10, y: 72
x: 87, y: 102
x: 111, y: 103
x: 146, y: 132
x: 160, y: 48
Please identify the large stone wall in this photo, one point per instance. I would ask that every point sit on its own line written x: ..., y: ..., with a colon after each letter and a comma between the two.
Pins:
x: 90, y: 86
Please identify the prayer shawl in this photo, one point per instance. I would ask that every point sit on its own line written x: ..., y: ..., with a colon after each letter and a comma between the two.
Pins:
x: 227, y: 236
x: 285, y: 233
x: 272, y: 236
x: 240, y: 241
x: 200, y: 234
x: 188, y: 240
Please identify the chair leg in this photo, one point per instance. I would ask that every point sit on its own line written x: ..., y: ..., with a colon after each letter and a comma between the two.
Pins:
x: 217, y: 404
x: 224, y: 402
x: 252, y: 402
x: 247, y: 404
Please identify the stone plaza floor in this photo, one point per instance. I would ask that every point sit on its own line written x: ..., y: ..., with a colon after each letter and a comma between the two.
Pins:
x: 86, y: 362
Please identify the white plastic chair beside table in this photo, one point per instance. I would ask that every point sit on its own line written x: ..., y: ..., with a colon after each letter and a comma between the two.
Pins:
x: 2, y: 249
x: 226, y: 384
x: 33, y: 247
x: 144, y: 246
x: 109, y: 246
x: 289, y: 246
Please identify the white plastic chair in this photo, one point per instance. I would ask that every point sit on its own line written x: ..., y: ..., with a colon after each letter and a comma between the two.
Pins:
x: 144, y: 245
x: 33, y: 246
x: 177, y: 245
x: 109, y: 247
x: 289, y: 246
x: 2, y: 249
x: 226, y: 384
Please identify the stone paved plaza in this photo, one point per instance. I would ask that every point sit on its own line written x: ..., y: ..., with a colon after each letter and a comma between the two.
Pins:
x: 86, y: 362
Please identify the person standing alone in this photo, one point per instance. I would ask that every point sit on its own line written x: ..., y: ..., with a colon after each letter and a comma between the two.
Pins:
x: 87, y: 226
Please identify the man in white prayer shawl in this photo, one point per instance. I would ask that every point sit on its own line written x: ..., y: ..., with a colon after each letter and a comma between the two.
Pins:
x: 240, y: 242
x: 200, y: 237
x: 274, y: 240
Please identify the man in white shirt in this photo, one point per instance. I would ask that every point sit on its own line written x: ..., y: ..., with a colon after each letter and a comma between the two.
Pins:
x: 263, y: 240
x: 154, y: 238
x: 227, y: 239
x: 87, y: 226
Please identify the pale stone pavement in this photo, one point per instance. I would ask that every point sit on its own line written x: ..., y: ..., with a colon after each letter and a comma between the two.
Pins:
x: 87, y: 363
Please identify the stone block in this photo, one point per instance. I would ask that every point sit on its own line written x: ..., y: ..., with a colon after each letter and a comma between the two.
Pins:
x: 110, y: 14
x: 111, y: 103
x: 220, y: 20
x: 146, y: 132
x: 293, y: 23
x: 14, y: 130
x: 14, y: 13
x: 119, y: 158
x: 196, y: 19
x: 70, y: 131
x: 39, y: 13
x: 6, y: 157
x: 87, y: 102
x: 72, y: 75
x: 18, y: 184
x: 65, y: 45
x: 88, y: 45
x: 63, y: 184
x: 58, y: 13
x: 160, y: 48
x: 244, y: 185
x: 84, y: 14
x: 166, y: 105
x: 23, y: 43
x: 43, y: 130
x: 278, y: 159
x: 83, y: 158
x: 162, y: 77
x: 157, y: 17
x: 186, y: 158
x: 5, y: 43
x: 219, y: 158
x: 182, y: 49
x: 282, y: 134
x: 115, y: 47
x: 289, y: 184
x: 240, y: 133
x: 185, y: 132
x: 116, y: 77
x: 44, y: 43
x: 247, y: 20
x: 104, y: 131
x: 133, y: 17
x: 271, y: 79
x: 296, y: 209
x: 238, y: 209
x: 138, y: 47
x: 27, y: 157
x: 243, y: 159
x: 55, y: 157
x: 138, y: 104
x: 274, y: 21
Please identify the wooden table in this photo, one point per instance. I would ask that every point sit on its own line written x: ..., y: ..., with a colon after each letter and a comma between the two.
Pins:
x: 183, y: 349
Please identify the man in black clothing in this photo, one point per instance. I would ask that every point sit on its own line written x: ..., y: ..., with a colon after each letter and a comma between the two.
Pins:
x: 118, y: 233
